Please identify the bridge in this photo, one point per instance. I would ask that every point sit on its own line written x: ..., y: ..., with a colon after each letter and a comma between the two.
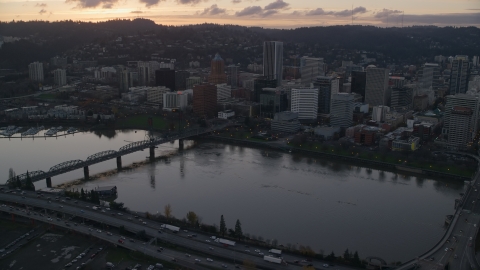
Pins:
x: 72, y: 165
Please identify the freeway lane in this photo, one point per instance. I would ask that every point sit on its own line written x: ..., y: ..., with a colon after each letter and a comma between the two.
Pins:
x: 233, y: 254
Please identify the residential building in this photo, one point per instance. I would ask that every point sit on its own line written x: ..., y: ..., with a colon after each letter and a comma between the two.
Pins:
x: 217, y: 71
x: 376, y: 86
x: 311, y: 68
x: 35, y: 71
x: 285, y: 122
x: 459, y: 75
x: 60, y: 77
x: 341, y: 113
x: 205, y: 100
x: 273, y: 60
x: 60, y: 62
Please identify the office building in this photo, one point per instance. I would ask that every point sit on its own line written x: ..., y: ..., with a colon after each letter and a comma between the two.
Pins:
x: 217, y: 71
x: 60, y: 77
x: 259, y: 84
x: 190, y: 82
x: 304, y: 101
x: 165, y: 77
x: 459, y: 75
x: 233, y: 73
x: 205, y: 100
x: 379, y: 113
x: 401, y: 97
x: 285, y: 122
x: 341, y: 113
x: 175, y: 100
x: 310, y: 69
x: 376, y: 86
x: 460, y: 109
x: 224, y: 91
x: 35, y: 71
x: 429, y: 76
x: 327, y: 86
x: 181, y: 79
x: 155, y: 94
x: 273, y: 61
x: 272, y: 100
x: 358, y: 83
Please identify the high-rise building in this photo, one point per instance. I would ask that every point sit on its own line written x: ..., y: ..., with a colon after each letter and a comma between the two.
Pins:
x: 451, y: 123
x: 233, y: 76
x: 401, y: 97
x: 429, y: 76
x: 224, y: 91
x: 155, y: 94
x: 205, y: 100
x: 175, y: 100
x: 310, y: 69
x: 165, y: 77
x: 376, y: 86
x: 304, y: 101
x: 341, y: 113
x: 58, y: 62
x: 35, y: 71
x: 359, y: 80
x: 192, y: 81
x: 476, y: 61
x: 181, y: 79
x: 143, y: 69
x: 273, y: 61
x: 272, y: 101
x: 259, y: 84
x: 60, y: 77
x: 217, y: 71
x: 327, y: 86
x: 459, y: 75
x: 379, y: 113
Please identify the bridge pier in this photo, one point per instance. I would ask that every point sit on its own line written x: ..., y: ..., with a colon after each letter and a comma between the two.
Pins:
x: 119, y: 163
x: 86, y: 173
x: 180, y: 144
x: 152, y: 152
x: 49, y: 182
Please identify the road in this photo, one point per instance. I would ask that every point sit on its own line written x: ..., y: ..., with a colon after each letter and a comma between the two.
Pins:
x: 236, y: 254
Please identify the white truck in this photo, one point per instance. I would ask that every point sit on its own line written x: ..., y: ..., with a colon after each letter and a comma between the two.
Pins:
x: 225, y: 242
x: 276, y: 252
x: 170, y: 227
x: 272, y: 259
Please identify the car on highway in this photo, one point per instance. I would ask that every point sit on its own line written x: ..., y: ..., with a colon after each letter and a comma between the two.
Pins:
x: 209, y: 260
x: 325, y: 265
x: 121, y: 241
x: 198, y: 260
x: 188, y: 255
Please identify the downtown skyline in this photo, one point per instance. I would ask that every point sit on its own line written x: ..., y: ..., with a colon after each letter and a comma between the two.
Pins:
x: 264, y: 13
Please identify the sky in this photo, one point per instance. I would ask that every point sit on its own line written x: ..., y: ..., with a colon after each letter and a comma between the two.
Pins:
x: 285, y: 14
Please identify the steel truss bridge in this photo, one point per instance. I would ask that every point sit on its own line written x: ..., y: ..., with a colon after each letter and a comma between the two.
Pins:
x: 72, y: 165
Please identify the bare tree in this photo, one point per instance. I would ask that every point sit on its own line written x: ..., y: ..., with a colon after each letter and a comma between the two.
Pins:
x: 168, y: 211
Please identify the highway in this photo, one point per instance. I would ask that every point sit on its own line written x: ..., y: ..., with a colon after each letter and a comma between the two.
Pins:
x: 201, y: 243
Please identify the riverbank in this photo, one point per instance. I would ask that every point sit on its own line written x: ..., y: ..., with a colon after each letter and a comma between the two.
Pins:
x: 399, y: 167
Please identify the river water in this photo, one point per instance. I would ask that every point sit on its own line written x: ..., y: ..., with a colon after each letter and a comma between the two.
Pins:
x: 295, y: 199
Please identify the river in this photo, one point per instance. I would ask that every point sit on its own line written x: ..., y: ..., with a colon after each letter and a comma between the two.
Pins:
x: 294, y: 199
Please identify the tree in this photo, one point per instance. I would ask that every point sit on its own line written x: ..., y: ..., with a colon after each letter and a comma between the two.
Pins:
x: 223, y: 226
x: 168, y: 211
x: 356, y: 259
x: 238, y: 229
x: 346, y: 255
x: 19, y: 183
x: 192, y: 217
x: 82, y: 194
x: 29, y: 184
x: 11, y: 173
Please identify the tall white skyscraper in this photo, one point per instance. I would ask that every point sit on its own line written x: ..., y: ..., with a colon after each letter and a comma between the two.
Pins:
x: 341, y: 113
x: 143, y: 69
x: 273, y: 60
x: 376, y: 86
x: 311, y: 68
x: 305, y: 102
x: 35, y: 71
x: 60, y: 77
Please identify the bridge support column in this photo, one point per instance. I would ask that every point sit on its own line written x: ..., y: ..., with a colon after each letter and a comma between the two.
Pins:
x: 152, y: 152
x: 86, y: 173
x: 180, y: 144
x: 49, y: 182
x: 119, y: 163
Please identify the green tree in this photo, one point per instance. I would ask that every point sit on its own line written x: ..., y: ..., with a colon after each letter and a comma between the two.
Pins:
x: 192, y: 217
x: 29, y: 184
x: 238, y: 229
x: 356, y: 259
x: 347, y: 255
x: 223, y: 226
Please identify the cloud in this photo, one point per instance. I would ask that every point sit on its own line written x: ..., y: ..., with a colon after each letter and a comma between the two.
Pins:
x: 213, y: 10
x: 137, y: 11
x: 464, y: 19
x: 42, y: 5
x: 342, y: 13
x: 386, y: 12
x: 189, y: 2
x: 269, y: 13
x: 278, y: 4
x: 43, y: 11
x: 248, y: 11
x: 93, y: 3
x: 236, y: 1
x: 150, y: 3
